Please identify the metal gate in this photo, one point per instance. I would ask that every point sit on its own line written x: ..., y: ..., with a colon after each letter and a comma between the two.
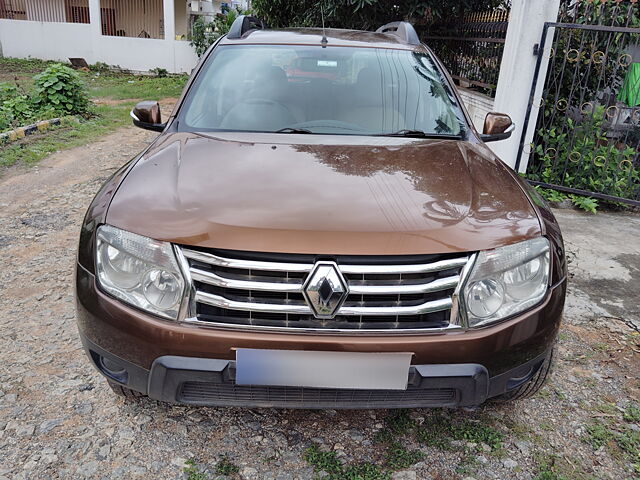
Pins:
x: 587, y: 133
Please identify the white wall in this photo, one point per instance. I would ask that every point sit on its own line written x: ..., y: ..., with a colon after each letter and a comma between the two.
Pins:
x: 46, y: 40
x: 59, y: 41
x: 478, y: 105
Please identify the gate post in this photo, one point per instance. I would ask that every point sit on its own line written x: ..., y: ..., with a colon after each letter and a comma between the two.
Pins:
x: 526, y: 23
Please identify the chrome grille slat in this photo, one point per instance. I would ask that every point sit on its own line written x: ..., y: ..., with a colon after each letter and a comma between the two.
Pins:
x: 220, y: 281
x: 359, y: 287
x: 223, y: 302
x: 404, y: 269
x: 248, y: 290
x: 246, y: 264
x: 428, y: 307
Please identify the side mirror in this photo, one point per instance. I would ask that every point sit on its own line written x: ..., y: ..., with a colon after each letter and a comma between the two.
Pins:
x: 497, y: 126
x: 147, y: 115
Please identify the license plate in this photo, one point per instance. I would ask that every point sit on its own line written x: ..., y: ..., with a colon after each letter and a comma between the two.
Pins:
x: 375, y: 371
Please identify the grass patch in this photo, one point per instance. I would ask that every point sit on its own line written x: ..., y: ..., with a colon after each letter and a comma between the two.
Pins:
x: 73, y: 132
x: 192, y: 471
x: 442, y: 429
x: 139, y: 87
x: 620, y: 444
x: 397, y: 423
x: 549, y: 468
x: 466, y: 465
x: 436, y: 433
x: 226, y: 467
x: 328, y: 462
x: 598, y: 435
x: 632, y: 413
x: 399, y: 458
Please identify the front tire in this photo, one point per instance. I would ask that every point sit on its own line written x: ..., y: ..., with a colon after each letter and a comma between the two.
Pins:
x: 125, y: 392
x: 532, y: 386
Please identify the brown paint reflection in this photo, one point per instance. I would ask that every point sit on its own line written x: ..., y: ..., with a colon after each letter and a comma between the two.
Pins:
x: 329, y: 195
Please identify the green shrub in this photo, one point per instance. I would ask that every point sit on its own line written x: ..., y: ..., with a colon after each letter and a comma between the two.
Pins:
x: 585, y: 158
x: 160, y: 72
x: 204, y: 34
x: 60, y: 89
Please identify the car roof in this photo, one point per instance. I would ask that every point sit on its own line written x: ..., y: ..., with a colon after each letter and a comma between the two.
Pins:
x: 313, y: 36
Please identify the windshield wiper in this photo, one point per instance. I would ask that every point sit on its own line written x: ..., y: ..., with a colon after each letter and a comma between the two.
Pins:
x: 418, y: 134
x: 293, y: 130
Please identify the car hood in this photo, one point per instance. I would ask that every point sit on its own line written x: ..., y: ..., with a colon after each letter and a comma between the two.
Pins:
x: 323, y: 194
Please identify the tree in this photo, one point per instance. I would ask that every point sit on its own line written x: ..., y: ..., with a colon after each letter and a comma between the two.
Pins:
x: 362, y: 14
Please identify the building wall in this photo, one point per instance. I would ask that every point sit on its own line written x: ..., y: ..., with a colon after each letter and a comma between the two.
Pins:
x: 181, y: 19
x: 59, y: 41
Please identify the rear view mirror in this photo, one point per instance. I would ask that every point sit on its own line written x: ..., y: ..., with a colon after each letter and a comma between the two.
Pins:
x: 497, y: 126
x: 147, y: 115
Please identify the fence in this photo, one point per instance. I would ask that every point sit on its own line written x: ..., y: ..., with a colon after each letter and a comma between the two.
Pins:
x: 72, y: 11
x: 587, y: 135
x: 471, y: 48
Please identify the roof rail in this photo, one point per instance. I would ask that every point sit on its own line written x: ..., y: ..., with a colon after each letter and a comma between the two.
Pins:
x: 244, y: 24
x: 404, y: 30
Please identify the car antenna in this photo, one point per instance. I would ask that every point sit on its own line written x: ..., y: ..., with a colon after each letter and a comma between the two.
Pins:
x: 324, y: 40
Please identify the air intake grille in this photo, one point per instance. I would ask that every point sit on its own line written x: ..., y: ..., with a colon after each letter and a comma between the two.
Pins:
x: 203, y: 393
x: 262, y: 290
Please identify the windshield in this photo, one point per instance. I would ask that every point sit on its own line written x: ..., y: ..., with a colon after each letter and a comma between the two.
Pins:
x: 333, y: 90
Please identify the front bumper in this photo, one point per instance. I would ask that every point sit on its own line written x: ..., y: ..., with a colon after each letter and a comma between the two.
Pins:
x: 211, y: 382
x: 189, y: 364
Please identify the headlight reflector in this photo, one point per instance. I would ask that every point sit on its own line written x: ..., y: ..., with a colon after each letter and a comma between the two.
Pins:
x: 139, y: 271
x: 506, y: 281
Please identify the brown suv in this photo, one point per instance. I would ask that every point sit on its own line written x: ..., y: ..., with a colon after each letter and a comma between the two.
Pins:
x: 319, y: 225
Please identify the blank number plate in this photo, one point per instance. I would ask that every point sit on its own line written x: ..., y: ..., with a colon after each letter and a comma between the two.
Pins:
x: 375, y: 371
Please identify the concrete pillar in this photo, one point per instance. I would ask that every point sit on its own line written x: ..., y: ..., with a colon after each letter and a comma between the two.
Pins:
x: 95, y: 22
x: 169, y: 20
x: 517, y: 69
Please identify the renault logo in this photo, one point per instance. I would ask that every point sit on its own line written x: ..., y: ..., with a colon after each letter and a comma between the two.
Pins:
x: 325, y: 289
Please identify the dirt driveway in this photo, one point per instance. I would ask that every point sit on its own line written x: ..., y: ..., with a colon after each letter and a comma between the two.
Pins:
x: 58, y: 419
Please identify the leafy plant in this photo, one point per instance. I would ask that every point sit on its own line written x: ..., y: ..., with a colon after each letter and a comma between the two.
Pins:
x: 551, y: 195
x: 202, y: 35
x: 7, y: 91
x: 60, y: 89
x: 587, y: 204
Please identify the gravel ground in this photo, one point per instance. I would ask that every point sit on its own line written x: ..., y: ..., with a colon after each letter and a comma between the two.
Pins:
x: 58, y: 418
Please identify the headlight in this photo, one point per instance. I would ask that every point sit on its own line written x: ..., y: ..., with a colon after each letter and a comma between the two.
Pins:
x: 506, y: 281
x: 139, y: 271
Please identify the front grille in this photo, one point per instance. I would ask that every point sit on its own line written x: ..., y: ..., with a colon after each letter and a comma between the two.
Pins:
x: 261, y: 290
x: 206, y: 393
